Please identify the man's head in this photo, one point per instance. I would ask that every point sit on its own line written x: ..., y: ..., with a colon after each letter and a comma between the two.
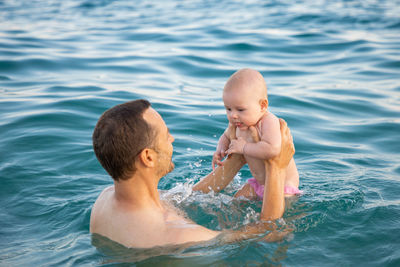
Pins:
x: 120, y: 135
x: 245, y: 97
x: 162, y: 160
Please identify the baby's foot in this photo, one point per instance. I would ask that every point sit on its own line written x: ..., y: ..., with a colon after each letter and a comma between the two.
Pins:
x: 232, y: 131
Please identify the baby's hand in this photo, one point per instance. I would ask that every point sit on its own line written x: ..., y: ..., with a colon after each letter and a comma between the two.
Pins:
x: 217, y: 157
x: 236, y: 146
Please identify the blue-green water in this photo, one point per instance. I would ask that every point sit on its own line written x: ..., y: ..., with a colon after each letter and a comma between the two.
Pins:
x: 333, y: 71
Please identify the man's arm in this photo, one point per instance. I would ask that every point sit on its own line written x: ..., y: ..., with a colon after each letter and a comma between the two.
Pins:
x: 274, y: 201
x: 273, y: 205
x: 274, y: 197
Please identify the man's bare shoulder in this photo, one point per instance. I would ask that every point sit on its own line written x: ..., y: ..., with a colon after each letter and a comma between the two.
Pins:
x: 106, y: 192
x: 98, y: 208
x: 102, y: 198
x: 144, y: 228
x: 129, y: 227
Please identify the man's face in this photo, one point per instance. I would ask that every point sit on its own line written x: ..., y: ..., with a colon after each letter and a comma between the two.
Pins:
x: 163, y: 143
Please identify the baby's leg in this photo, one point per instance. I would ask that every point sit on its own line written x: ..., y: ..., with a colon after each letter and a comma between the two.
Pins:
x: 246, y: 191
x: 222, y: 176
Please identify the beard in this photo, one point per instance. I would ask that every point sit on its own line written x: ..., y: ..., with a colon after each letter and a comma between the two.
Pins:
x: 165, y: 164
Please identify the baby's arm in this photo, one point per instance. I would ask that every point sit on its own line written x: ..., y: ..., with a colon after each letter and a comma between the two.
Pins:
x: 269, y: 145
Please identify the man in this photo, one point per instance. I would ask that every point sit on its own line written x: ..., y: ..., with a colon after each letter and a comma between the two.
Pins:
x: 134, y: 146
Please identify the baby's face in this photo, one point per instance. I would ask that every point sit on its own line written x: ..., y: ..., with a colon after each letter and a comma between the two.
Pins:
x: 243, y: 108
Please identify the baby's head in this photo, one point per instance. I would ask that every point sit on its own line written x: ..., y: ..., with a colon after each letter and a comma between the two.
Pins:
x: 245, y: 98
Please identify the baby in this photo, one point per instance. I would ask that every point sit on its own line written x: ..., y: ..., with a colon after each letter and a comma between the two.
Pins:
x: 253, y: 131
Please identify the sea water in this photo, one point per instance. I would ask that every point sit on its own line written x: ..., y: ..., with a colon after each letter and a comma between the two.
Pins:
x: 333, y: 73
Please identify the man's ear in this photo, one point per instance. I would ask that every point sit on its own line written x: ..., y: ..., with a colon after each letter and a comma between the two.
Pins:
x: 264, y: 104
x: 147, y: 157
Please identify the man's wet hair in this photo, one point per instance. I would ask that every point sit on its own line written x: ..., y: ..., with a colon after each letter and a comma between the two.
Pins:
x: 120, y: 135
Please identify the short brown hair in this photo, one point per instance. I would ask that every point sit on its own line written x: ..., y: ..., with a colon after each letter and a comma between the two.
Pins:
x: 120, y: 135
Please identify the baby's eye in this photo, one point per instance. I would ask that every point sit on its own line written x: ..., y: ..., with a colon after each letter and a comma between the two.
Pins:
x: 241, y: 109
x: 228, y: 109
